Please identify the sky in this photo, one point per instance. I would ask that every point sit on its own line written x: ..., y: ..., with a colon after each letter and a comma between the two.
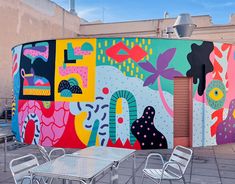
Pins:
x: 129, y: 10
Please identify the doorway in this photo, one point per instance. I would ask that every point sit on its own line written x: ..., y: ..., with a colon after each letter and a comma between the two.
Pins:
x: 183, y: 111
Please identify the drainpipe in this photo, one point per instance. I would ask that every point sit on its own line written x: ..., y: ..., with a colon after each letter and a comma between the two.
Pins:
x: 204, y: 109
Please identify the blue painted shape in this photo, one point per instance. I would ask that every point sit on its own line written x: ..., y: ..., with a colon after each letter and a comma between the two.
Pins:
x: 71, y: 55
x: 87, y: 47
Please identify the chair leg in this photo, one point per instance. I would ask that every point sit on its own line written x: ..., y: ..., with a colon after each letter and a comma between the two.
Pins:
x: 183, y: 180
x: 142, y: 180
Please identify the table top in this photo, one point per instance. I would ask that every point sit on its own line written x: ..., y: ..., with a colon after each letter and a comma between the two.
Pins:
x: 72, y: 168
x: 3, y: 135
x: 105, y: 153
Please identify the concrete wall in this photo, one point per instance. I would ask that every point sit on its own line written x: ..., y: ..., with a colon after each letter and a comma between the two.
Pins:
x: 29, y: 20
x: 205, y: 30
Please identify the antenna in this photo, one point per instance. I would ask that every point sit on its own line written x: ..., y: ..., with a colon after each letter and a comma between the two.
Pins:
x: 166, y: 15
x: 103, y: 9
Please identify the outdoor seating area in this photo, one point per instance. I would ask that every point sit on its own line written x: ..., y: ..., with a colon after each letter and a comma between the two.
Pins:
x: 214, y: 164
x: 116, y: 92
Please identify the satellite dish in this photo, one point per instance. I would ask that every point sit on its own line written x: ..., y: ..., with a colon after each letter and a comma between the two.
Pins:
x: 184, y: 25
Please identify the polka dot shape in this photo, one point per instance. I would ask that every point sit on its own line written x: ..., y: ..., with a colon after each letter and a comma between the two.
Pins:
x: 226, y: 129
x: 146, y: 133
x: 120, y: 120
x: 105, y: 90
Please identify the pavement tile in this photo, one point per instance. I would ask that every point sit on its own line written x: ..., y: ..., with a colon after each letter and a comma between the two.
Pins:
x: 207, y: 166
x: 228, y: 181
x: 227, y: 174
x: 205, y: 179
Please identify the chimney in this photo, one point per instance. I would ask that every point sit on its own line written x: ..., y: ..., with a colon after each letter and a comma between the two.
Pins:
x: 72, y: 7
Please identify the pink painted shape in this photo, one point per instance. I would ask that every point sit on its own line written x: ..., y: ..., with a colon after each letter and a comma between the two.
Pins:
x: 52, y: 128
x: 80, y: 70
x: 78, y: 51
x: 230, y: 74
x: 36, y: 53
x: 168, y: 109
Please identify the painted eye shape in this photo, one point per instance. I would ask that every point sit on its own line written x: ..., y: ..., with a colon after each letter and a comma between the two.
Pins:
x: 216, y: 94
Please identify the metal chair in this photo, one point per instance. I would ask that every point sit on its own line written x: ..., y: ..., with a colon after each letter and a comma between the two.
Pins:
x: 20, y: 169
x: 48, y: 156
x: 173, y: 169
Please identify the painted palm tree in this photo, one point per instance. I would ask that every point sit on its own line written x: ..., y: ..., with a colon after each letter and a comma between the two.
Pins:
x: 161, y: 69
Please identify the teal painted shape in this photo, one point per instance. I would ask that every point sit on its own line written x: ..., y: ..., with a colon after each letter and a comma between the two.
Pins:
x: 70, y: 53
x: 66, y: 93
x: 42, y: 44
x: 87, y: 47
x: 27, y: 46
x: 94, y: 132
x: 122, y: 52
x: 73, y: 82
x: 112, y: 113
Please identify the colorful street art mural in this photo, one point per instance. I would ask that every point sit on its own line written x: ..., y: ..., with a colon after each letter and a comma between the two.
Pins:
x: 119, y: 92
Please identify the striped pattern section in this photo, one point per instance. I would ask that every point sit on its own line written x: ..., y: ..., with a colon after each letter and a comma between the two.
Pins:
x: 37, y: 92
x: 112, y: 113
x: 182, y: 156
x: 156, y: 174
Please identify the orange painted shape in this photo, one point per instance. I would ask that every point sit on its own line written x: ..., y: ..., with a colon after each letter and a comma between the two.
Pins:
x: 119, y: 106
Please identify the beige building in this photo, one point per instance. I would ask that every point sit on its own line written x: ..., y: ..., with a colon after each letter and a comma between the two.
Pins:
x: 30, y: 20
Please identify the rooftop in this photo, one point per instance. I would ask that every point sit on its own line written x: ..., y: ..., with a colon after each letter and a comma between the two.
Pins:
x: 214, y: 164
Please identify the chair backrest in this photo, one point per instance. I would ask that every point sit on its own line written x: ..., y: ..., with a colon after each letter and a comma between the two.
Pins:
x: 44, y: 153
x: 182, y: 156
x: 20, y: 167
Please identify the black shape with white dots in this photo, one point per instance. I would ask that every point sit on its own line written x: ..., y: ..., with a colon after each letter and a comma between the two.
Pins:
x: 146, y: 133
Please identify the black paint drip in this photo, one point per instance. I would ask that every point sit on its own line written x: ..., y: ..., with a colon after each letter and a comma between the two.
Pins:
x: 199, y: 59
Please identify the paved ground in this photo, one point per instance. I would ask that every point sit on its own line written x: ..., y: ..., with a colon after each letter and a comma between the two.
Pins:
x: 212, y: 165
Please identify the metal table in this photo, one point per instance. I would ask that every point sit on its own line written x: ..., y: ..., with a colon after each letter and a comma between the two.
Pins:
x: 4, y: 136
x: 73, y: 168
x: 116, y: 155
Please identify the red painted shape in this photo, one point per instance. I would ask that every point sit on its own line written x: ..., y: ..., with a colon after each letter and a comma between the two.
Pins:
x: 14, y: 68
x: 225, y: 46
x: 217, y: 70
x: 217, y: 52
x: 136, y: 53
x: 47, y: 112
x: 105, y: 90
x: 219, y: 115
x: 29, y: 132
x: 70, y: 139
x: 15, y: 64
x: 120, y: 120
x: 127, y: 144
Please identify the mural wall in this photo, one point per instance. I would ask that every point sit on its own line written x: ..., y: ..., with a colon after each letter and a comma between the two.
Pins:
x: 119, y: 92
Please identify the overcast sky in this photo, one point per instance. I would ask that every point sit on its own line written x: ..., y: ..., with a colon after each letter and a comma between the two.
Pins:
x: 125, y: 10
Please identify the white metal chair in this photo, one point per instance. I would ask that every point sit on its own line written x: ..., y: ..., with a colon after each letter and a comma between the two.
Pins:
x: 48, y: 156
x: 173, y: 169
x: 20, y: 169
